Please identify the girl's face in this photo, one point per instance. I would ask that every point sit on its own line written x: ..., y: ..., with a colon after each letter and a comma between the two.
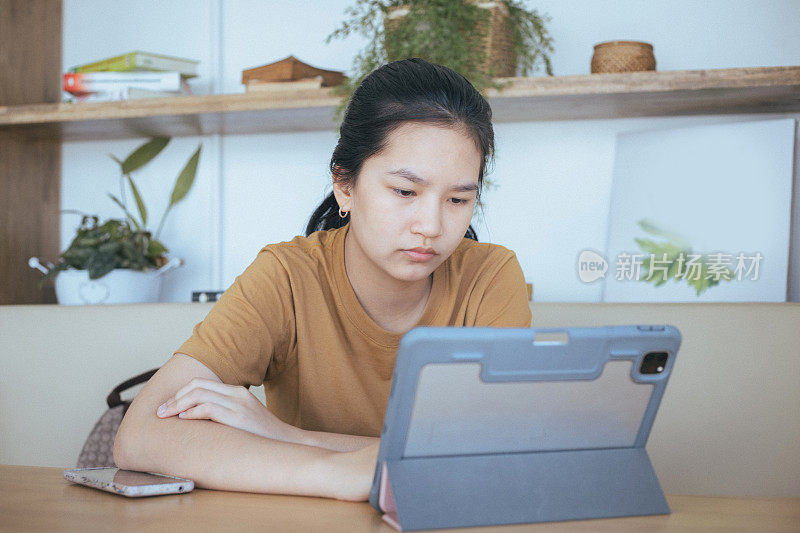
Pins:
x: 412, y: 203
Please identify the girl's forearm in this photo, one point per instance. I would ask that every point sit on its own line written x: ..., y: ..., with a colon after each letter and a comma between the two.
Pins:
x: 333, y: 441
x: 216, y: 456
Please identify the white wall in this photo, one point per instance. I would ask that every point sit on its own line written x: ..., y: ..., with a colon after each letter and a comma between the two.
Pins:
x: 554, y: 177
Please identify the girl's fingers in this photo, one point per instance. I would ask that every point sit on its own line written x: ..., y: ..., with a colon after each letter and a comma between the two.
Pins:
x: 209, y: 384
x: 209, y: 411
x: 193, y: 398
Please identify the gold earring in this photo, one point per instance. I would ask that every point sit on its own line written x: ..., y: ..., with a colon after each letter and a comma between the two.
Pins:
x: 342, y: 214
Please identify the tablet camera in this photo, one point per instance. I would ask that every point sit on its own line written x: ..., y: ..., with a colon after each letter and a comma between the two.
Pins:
x: 653, y: 363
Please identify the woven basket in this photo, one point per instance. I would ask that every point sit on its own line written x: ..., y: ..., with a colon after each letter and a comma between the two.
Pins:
x: 623, y: 56
x: 491, y: 33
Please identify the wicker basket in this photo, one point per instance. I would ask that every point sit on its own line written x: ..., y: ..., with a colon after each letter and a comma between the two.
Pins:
x: 494, y: 37
x: 623, y: 56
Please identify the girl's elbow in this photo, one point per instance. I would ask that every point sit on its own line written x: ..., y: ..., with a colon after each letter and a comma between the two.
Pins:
x: 128, y: 446
x: 122, y: 452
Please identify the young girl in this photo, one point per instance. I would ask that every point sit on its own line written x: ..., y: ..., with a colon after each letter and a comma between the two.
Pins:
x: 318, y: 319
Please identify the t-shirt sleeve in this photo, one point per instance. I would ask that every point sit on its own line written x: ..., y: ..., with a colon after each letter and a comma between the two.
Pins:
x: 504, y: 303
x: 247, y: 333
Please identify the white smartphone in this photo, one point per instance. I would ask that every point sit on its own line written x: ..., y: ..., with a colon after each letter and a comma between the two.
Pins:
x: 128, y: 482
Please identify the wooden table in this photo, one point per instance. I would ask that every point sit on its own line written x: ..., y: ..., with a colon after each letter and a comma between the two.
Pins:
x: 36, y: 498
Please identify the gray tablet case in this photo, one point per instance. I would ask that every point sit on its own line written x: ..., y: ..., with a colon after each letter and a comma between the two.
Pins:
x: 488, y: 426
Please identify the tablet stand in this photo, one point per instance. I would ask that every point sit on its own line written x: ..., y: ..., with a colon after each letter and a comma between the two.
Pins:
x: 445, y: 492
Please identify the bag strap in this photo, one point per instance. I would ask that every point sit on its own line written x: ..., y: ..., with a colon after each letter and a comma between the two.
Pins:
x: 114, y: 399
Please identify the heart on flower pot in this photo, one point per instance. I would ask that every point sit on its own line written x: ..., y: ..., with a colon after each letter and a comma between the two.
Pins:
x: 93, y: 292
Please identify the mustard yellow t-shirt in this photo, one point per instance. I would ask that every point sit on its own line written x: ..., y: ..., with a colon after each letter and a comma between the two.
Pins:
x: 292, y: 321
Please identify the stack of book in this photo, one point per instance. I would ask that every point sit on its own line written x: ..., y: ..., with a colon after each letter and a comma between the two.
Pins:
x: 130, y: 76
x: 289, y: 74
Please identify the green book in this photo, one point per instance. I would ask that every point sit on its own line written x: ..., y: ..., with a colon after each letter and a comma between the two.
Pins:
x: 138, y: 60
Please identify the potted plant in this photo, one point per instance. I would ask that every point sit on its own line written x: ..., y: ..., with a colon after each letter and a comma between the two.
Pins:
x: 480, y: 40
x: 120, y: 261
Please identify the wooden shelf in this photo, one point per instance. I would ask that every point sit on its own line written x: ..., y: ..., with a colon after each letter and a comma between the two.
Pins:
x: 593, y: 96
x: 179, y: 116
x: 641, y: 94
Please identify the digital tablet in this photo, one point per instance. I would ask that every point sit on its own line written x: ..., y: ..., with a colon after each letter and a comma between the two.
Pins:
x: 511, y: 425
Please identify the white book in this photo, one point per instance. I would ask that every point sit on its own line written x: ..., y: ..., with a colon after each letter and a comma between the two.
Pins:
x: 126, y: 93
x: 89, y: 82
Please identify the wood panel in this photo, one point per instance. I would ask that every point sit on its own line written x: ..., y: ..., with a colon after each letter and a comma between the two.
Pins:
x: 30, y: 168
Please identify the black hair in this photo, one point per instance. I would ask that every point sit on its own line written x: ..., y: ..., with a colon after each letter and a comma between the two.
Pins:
x: 409, y: 90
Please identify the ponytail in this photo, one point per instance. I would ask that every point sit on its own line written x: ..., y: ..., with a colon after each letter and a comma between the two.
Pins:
x: 326, y: 216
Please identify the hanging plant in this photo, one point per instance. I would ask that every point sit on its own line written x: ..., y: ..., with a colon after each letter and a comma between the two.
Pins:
x: 452, y: 33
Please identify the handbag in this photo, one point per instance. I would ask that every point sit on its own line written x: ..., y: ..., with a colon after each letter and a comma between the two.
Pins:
x: 99, y: 447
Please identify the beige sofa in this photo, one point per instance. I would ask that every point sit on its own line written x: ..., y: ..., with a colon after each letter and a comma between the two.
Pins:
x: 728, y: 423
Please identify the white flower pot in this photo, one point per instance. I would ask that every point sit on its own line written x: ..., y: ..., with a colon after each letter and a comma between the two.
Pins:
x: 120, y: 286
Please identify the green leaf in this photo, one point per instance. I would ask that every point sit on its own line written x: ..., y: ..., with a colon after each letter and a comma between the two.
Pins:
x: 100, y: 265
x: 109, y: 248
x: 76, y: 257
x: 88, y: 239
x: 144, y: 154
x: 139, y: 201
x: 156, y: 248
x: 115, y: 158
x: 116, y: 200
x: 51, y: 273
x: 185, y: 179
x: 650, y: 227
x: 648, y: 246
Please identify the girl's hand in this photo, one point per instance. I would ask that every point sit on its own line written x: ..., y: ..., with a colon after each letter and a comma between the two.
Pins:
x: 205, y: 399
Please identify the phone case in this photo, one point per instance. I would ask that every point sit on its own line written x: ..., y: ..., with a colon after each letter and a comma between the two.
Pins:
x: 117, y: 485
x: 489, y: 426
